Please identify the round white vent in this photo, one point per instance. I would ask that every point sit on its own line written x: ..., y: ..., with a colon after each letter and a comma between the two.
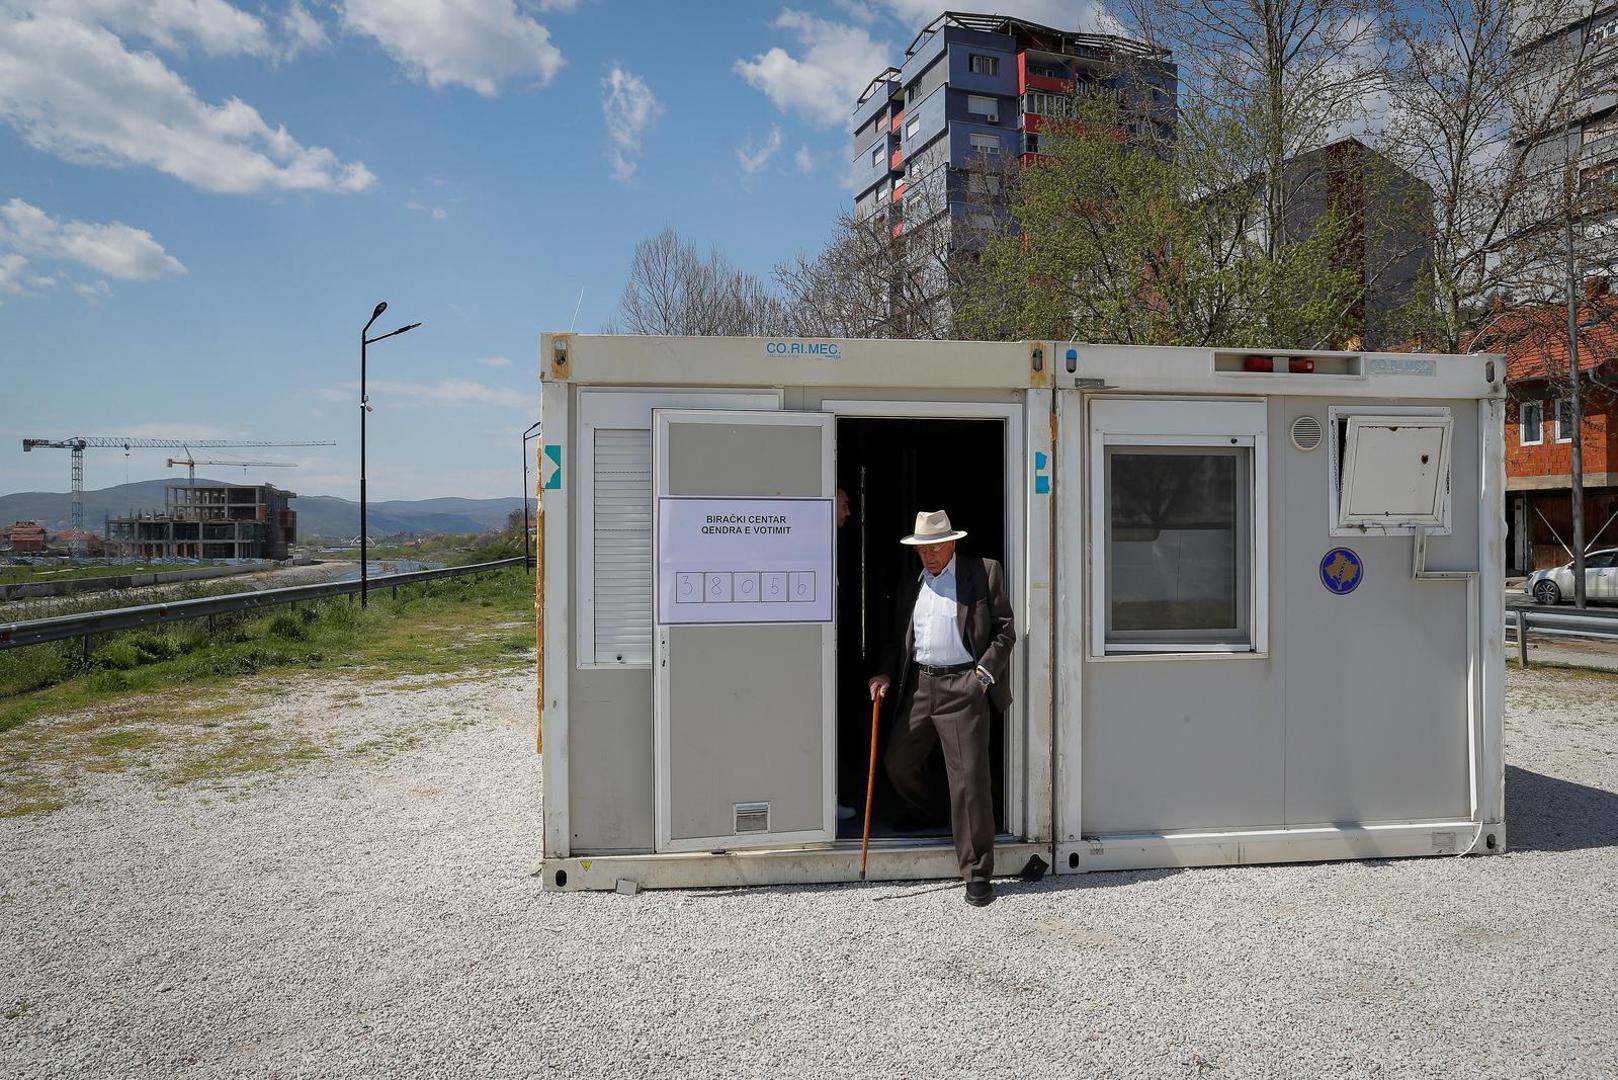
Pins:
x: 1306, y: 432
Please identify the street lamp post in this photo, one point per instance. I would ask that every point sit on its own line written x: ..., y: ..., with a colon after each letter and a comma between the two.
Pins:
x: 365, y: 407
x: 527, y: 559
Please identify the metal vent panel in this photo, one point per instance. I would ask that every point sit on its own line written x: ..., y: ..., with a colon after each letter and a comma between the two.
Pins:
x: 752, y: 817
x: 623, y: 545
x: 1307, y: 432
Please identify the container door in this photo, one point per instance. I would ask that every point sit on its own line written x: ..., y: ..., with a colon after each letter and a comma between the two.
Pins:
x: 744, y: 527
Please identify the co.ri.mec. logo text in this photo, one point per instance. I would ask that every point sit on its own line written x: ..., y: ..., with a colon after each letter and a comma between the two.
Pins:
x: 826, y: 350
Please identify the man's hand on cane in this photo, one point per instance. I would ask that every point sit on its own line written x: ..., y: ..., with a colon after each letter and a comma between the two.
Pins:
x: 879, y: 686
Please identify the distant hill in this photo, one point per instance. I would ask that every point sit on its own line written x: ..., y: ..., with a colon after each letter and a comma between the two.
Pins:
x: 318, y: 515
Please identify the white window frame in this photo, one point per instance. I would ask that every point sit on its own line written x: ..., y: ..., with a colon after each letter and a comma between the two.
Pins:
x: 625, y: 410
x: 1522, y: 425
x: 990, y: 64
x: 973, y: 143
x: 983, y: 105
x: 912, y: 126
x: 1180, y: 423
x: 1564, y: 433
x: 1337, y: 414
x: 876, y: 154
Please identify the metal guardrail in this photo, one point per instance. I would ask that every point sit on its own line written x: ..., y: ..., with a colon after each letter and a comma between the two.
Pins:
x: 1558, y: 622
x: 87, y: 624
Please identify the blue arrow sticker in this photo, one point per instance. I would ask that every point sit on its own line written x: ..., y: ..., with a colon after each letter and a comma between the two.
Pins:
x: 554, y: 452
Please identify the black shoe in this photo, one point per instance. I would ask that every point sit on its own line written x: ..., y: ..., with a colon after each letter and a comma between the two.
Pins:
x: 979, y: 892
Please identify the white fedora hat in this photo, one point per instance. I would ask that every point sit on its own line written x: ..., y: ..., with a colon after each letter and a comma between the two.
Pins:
x: 932, y: 527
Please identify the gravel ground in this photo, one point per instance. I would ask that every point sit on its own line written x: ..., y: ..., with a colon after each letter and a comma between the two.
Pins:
x: 371, y: 914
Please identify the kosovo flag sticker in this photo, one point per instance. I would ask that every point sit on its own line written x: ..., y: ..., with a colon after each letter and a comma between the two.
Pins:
x: 1341, y: 571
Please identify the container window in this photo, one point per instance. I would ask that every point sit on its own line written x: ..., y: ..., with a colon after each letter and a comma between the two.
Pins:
x: 1178, y: 526
x: 1179, y: 546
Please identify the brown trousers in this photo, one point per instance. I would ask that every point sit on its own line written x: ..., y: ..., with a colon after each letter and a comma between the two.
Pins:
x: 950, y: 712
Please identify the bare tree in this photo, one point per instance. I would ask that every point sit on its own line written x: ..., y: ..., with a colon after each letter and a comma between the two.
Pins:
x: 1476, y: 110
x: 1265, y: 81
x: 672, y: 289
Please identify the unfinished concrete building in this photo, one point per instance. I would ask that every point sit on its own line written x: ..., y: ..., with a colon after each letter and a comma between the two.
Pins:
x: 210, y: 522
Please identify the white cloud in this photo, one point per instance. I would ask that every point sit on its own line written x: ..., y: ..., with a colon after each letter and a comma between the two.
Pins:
x: 442, y: 392
x: 215, y: 26
x: 114, y: 249
x: 753, y: 158
x: 478, y: 44
x: 495, y: 361
x: 301, y: 31
x: 804, y: 159
x: 861, y: 11
x: 14, y: 273
x: 437, y: 213
x: 630, y: 109
x: 74, y: 90
x: 560, y: 6
x: 838, y: 60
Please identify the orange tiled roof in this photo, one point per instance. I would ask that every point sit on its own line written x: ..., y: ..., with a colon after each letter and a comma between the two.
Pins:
x: 1535, y: 339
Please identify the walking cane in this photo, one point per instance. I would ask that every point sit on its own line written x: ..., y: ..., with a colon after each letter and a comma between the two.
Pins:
x: 870, y: 786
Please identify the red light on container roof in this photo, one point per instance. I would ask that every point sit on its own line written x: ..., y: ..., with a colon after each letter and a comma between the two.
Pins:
x: 1258, y: 363
x: 1301, y: 365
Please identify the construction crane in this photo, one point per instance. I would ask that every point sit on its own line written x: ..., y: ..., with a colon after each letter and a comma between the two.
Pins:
x: 192, y: 463
x: 78, y: 444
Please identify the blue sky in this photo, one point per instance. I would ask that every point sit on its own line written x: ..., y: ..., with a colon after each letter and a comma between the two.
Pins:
x: 200, y: 202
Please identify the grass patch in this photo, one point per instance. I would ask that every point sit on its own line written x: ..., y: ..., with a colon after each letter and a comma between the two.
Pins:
x: 437, y: 627
x: 17, y: 1008
x: 455, y: 549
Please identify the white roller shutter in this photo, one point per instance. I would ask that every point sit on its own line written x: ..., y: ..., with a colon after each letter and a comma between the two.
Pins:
x: 623, y: 545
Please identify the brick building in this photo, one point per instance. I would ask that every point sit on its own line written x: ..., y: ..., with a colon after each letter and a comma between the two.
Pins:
x: 24, y: 537
x: 1539, y: 434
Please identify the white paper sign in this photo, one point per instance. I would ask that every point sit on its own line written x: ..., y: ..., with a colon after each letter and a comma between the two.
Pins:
x: 744, y: 560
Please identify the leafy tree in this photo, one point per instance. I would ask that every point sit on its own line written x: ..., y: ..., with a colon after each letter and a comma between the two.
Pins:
x: 1123, y: 239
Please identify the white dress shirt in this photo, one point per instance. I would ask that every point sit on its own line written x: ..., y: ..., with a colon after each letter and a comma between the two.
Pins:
x: 932, y: 622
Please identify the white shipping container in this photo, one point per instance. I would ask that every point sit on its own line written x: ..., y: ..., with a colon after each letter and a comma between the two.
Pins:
x: 1259, y: 602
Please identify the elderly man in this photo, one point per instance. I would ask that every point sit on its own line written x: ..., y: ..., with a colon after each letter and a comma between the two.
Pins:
x: 954, y: 662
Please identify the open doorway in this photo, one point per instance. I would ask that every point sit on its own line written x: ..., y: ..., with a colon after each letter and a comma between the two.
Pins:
x: 891, y: 468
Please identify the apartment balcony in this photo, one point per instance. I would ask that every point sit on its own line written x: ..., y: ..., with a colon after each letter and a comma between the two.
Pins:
x: 896, y: 159
x: 1037, y: 76
x: 899, y: 190
x: 898, y: 121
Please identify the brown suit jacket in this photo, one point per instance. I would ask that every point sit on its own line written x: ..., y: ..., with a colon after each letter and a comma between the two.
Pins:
x: 983, y: 614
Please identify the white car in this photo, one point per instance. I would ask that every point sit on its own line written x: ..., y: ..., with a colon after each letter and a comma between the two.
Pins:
x: 1556, y: 584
